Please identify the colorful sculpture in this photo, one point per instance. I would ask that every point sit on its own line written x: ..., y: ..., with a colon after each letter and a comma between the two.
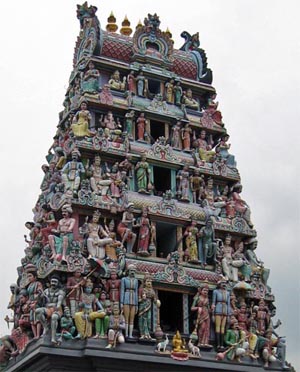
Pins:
x: 129, y: 299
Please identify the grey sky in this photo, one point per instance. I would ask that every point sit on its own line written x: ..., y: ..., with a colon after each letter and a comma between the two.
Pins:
x: 253, y: 48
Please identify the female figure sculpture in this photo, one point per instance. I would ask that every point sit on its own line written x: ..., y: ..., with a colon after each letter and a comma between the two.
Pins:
x: 143, y: 175
x: 201, y: 305
x: 144, y: 234
x: 141, y: 127
x: 90, y: 81
x: 81, y: 121
x: 183, y: 189
x: 147, y: 296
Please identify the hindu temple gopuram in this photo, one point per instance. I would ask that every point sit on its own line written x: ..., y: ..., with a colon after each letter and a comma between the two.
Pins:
x: 141, y: 253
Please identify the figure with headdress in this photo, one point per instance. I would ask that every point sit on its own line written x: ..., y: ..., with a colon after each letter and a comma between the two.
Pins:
x: 71, y: 173
x: 125, y: 228
x: 129, y: 299
x: 34, y: 290
x: 90, y: 80
x: 81, y: 121
x: 97, y: 236
x: 201, y: 306
x: 143, y: 174
x: 52, y: 310
x: 62, y: 238
x: 91, y: 309
x: 220, y: 311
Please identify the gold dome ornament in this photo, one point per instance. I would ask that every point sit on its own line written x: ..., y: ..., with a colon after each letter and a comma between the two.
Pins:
x: 126, y: 29
x: 111, y: 25
x: 139, y: 25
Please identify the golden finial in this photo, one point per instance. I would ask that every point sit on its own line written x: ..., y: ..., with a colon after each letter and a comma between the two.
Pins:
x: 168, y: 32
x: 111, y: 25
x: 126, y: 30
x: 139, y: 25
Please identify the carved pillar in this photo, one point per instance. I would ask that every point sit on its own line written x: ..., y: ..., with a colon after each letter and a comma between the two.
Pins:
x: 167, y: 134
x: 185, y: 312
x: 179, y: 239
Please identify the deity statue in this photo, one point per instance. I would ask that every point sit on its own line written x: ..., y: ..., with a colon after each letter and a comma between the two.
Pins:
x: 71, y: 173
x: 197, y: 185
x: 207, y: 243
x: 63, y: 236
x: 256, y: 264
x: 201, y: 306
x: 90, y: 80
x: 141, y: 83
x: 48, y: 223
x: 186, y: 133
x: 239, y: 255
x: 177, y: 93
x: 240, y: 206
x: 175, y: 136
x: 67, y: 327
x: 183, y: 188
x: 116, y: 327
x: 99, y: 179
x: 235, y: 338
x: 144, y: 234
x: 147, y: 296
x: 222, y: 148
x: 131, y: 82
x: 230, y: 265
x: 221, y: 311
x: 188, y: 101
x: 81, y: 121
x: 169, y: 91
x: 115, y: 81
x: 34, y: 290
x: 101, y: 324
x: 112, y: 128
x: 205, y: 149
x: 129, y: 299
x: 128, y: 127
x: 143, y: 174
x: 53, y: 300
x: 112, y: 287
x: 178, y: 343
x: 74, y: 285
x: 191, y: 236
x: 126, y: 226
x: 91, y: 309
x: 126, y: 168
x: 141, y: 127
x: 97, y: 237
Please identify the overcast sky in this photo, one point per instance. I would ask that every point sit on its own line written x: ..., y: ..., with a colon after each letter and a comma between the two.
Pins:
x: 253, y: 48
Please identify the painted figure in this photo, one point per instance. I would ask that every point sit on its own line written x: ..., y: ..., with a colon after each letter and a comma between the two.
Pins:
x: 186, y: 133
x: 207, y: 243
x: 91, y: 309
x: 90, y: 80
x: 71, y: 173
x: 129, y: 299
x: 144, y: 234
x: 183, y: 189
x: 81, y: 121
x: 53, y: 300
x: 125, y: 228
x: 220, y: 311
x: 61, y: 241
x: 201, y: 306
x: 141, y: 127
x: 143, y: 174
x: 116, y: 327
x: 191, y: 236
x: 115, y: 81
